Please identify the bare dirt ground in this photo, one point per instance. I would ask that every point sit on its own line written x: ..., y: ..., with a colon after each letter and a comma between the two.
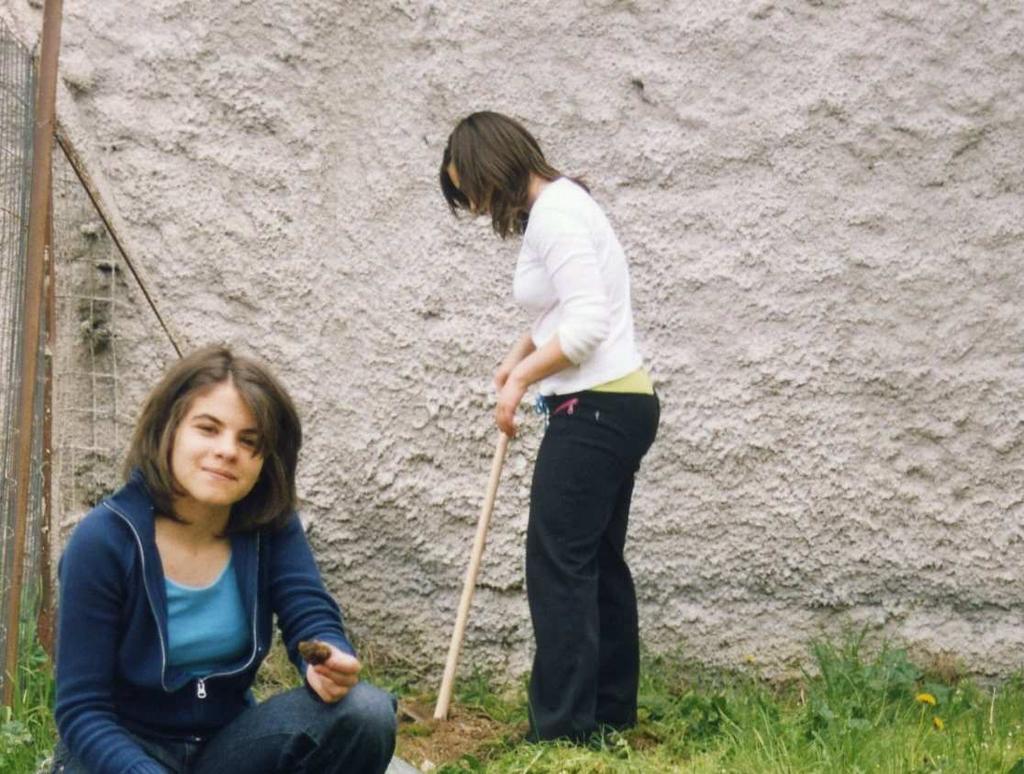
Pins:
x: 427, y: 743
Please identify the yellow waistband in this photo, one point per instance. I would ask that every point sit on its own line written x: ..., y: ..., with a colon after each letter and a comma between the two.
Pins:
x: 638, y: 382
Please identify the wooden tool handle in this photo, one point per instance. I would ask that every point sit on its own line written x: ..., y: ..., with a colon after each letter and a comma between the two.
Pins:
x: 448, y: 682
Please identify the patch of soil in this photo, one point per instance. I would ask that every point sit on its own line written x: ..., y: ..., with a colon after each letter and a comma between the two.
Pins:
x: 642, y: 739
x: 427, y: 743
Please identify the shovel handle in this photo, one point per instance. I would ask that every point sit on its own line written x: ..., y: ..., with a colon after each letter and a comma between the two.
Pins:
x: 448, y: 682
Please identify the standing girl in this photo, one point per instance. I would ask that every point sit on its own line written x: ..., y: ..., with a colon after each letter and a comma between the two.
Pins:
x: 603, y: 416
x: 168, y: 588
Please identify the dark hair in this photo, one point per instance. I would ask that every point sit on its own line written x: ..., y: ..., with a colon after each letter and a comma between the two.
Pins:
x: 272, y: 498
x: 493, y: 156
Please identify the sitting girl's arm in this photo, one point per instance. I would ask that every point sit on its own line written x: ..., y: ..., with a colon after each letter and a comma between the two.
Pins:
x: 92, y: 598
x: 305, y: 610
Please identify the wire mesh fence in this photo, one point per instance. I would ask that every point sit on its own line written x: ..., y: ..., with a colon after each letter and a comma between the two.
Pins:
x: 90, y: 294
x: 109, y: 349
x: 107, y: 345
x: 17, y: 92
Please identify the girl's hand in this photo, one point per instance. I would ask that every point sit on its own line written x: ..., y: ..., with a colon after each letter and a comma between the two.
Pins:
x: 510, y: 395
x: 334, y: 678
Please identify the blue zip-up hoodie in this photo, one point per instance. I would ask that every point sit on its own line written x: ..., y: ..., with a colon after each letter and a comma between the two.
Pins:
x: 112, y: 672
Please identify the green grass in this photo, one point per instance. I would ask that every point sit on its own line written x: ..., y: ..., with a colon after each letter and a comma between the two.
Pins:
x: 856, y: 709
x: 27, y: 730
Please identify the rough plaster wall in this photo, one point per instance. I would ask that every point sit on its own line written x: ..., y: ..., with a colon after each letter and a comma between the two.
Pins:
x: 822, y: 206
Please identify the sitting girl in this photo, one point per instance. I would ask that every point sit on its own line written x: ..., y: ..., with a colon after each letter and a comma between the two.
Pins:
x: 169, y: 586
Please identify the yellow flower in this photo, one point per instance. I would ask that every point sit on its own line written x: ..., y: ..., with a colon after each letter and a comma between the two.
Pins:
x: 937, y: 722
x: 926, y: 698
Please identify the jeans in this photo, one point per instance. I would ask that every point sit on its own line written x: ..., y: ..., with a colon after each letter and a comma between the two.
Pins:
x: 291, y: 733
x: 583, y: 606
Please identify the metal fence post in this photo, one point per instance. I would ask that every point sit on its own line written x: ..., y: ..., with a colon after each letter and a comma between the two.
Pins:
x: 45, y: 621
x: 42, y: 155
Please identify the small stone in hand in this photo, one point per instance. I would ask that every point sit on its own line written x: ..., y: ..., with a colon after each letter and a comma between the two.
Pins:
x: 314, y: 651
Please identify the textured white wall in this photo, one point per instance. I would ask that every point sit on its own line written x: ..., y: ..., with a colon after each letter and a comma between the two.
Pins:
x: 822, y: 203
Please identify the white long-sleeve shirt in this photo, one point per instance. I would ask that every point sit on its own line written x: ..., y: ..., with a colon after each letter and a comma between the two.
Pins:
x: 572, y: 274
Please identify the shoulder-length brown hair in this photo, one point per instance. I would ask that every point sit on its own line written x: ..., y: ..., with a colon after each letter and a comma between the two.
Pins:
x: 272, y: 498
x: 493, y: 156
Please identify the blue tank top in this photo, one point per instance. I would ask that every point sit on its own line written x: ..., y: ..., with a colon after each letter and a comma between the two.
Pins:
x: 207, y: 629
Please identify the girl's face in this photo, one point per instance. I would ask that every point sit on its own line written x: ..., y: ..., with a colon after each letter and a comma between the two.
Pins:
x: 213, y: 459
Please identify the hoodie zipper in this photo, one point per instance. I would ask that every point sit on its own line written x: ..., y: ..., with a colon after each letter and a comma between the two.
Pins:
x: 200, y: 682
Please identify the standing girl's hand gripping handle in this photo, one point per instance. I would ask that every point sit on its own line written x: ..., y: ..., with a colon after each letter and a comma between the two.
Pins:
x: 509, y: 397
x: 537, y: 364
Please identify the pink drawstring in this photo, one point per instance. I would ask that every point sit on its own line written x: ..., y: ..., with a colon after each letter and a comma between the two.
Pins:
x: 568, y: 406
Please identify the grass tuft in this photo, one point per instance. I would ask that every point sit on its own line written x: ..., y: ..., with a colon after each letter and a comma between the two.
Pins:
x: 27, y: 729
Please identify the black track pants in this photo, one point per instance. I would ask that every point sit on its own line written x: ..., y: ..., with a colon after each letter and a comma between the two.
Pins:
x: 580, y: 590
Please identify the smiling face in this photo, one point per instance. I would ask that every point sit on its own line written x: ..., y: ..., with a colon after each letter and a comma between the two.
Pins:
x: 214, y: 457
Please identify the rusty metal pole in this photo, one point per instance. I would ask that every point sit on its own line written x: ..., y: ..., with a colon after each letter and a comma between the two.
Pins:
x: 32, y: 302
x: 45, y: 618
